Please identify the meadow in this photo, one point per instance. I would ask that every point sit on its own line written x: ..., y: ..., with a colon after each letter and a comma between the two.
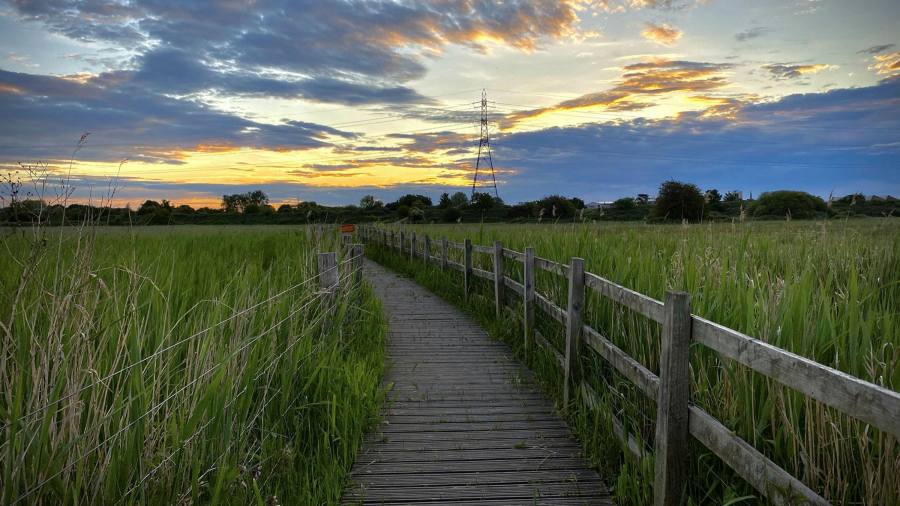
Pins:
x: 181, y: 366
x: 829, y: 291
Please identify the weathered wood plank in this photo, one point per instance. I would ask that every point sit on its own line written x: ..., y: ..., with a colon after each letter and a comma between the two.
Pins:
x: 551, y: 266
x: 547, y: 345
x: 550, y: 308
x: 622, y: 362
x: 513, y: 255
x: 498, y: 278
x: 514, y: 285
x: 647, y: 306
x: 860, y: 399
x: 481, y: 273
x: 592, y: 400
x: 765, y: 476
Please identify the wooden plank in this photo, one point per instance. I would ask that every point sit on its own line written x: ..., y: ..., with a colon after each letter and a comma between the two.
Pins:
x: 647, y: 306
x: 456, y: 266
x: 622, y: 362
x: 592, y: 400
x: 445, y: 246
x: 328, y: 271
x: 547, y: 345
x: 860, y: 399
x: 550, y: 308
x: 765, y: 476
x: 467, y: 272
x: 528, y: 299
x: 487, y: 250
x: 514, y: 286
x: 499, y: 276
x: 551, y: 266
x: 514, y: 255
x: 671, y: 442
x: 426, y: 252
x: 481, y: 273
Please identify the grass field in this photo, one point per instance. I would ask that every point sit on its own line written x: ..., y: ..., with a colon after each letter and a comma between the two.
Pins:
x: 829, y: 291
x: 180, y: 365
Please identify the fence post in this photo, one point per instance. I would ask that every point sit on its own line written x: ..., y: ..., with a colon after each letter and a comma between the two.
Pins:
x: 671, y: 444
x: 528, y: 299
x: 498, y: 276
x: 444, y: 253
x: 467, y: 268
x: 357, y: 253
x: 573, y: 327
x: 402, y: 242
x: 426, y: 253
x: 328, y: 274
x: 412, y: 247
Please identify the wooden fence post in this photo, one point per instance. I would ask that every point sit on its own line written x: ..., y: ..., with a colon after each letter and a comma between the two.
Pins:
x: 498, y: 276
x: 445, y: 246
x: 528, y: 299
x: 467, y: 268
x: 412, y: 247
x: 402, y: 242
x: 426, y: 253
x: 671, y: 444
x: 573, y: 327
x: 328, y: 275
x: 357, y: 263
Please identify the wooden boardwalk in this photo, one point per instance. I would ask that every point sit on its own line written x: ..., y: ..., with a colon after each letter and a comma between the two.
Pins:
x: 464, y: 422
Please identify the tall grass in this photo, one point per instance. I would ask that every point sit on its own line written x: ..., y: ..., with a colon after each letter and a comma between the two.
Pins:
x: 827, y: 291
x: 176, y: 366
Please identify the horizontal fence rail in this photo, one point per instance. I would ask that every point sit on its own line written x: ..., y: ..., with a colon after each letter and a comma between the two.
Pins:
x: 677, y: 418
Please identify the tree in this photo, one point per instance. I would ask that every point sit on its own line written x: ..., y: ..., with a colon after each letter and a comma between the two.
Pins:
x: 410, y: 200
x: 484, y: 201
x: 459, y: 199
x: 624, y: 204
x: 795, y: 204
x: 556, y: 206
x: 451, y: 214
x: 240, y: 202
x: 680, y: 201
x: 367, y: 202
x: 444, y: 201
x: 732, y: 196
x: 577, y: 202
x: 642, y: 199
x: 713, y: 196
x: 284, y: 209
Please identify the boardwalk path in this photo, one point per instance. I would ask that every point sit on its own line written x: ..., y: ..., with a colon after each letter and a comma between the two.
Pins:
x: 464, y: 422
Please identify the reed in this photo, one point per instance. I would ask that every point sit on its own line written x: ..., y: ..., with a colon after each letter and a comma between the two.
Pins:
x: 180, y: 365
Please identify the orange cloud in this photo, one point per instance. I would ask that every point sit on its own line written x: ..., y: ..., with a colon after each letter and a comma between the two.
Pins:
x: 661, y: 34
x: 886, y: 64
x: 640, y: 80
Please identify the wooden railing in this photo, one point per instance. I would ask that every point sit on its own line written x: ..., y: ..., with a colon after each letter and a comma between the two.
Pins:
x: 677, y: 418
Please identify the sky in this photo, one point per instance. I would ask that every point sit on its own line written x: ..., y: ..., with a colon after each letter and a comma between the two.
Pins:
x: 330, y: 100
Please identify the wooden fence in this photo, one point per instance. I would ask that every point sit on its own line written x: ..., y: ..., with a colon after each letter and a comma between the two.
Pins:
x: 677, y: 418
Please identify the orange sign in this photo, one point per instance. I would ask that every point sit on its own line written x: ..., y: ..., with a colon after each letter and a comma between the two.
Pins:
x: 348, y: 228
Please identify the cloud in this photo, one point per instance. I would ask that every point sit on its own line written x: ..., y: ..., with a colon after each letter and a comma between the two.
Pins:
x: 876, y: 49
x: 783, y: 71
x: 887, y: 64
x: 376, y: 39
x: 751, y: 33
x: 662, y: 34
x: 839, y: 140
x: 639, y: 80
x: 47, y: 113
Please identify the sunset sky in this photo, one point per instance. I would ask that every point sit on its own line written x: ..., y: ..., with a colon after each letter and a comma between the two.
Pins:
x: 330, y: 100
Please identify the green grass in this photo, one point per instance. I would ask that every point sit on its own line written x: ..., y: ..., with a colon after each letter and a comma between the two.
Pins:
x: 113, y: 394
x: 829, y: 291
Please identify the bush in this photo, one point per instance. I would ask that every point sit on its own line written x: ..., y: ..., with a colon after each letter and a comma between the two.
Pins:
x: 782, y: 203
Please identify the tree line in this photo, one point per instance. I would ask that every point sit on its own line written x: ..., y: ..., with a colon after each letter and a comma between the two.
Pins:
x: 675, y: 201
